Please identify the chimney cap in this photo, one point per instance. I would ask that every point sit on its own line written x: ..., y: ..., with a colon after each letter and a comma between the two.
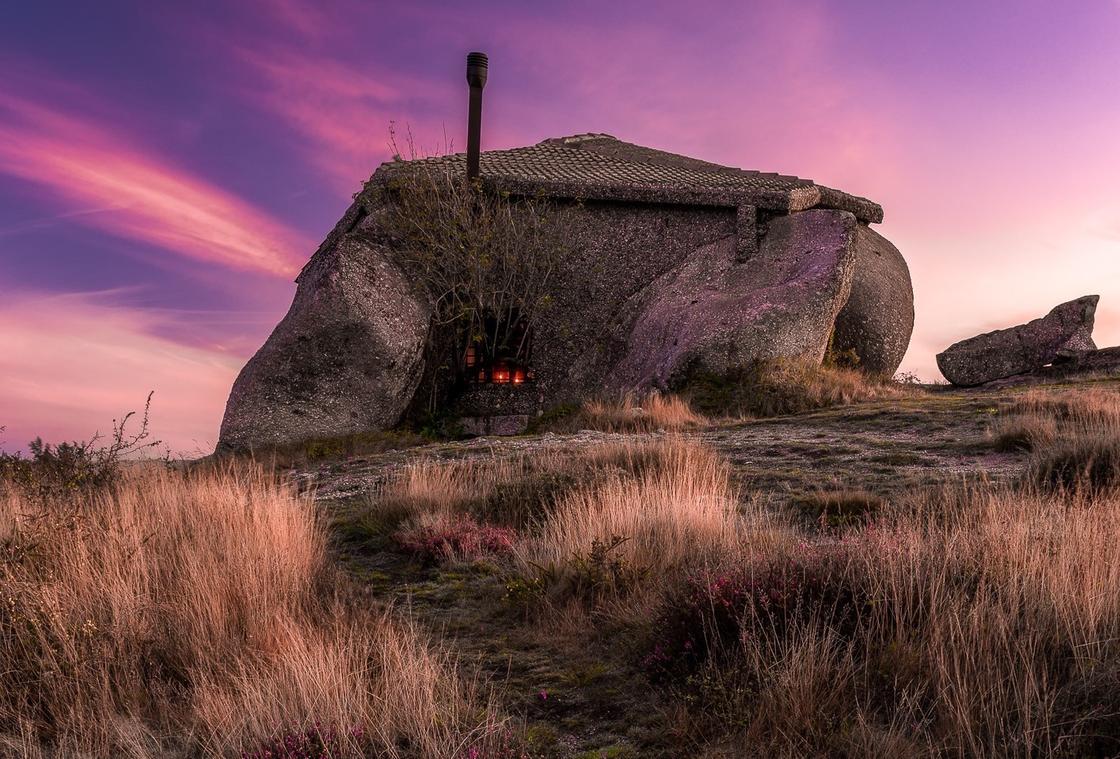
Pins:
x: 477, y: 65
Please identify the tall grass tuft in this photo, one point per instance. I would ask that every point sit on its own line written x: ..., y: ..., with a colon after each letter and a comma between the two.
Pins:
x: 632, y: 413
x: 975, y: 622
x: 630, y: 534
x: 1073, y: 437
x: 195, y: 614
x: 784, y: 386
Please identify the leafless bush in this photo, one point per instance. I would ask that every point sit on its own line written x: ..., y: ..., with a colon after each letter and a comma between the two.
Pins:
x: 80, y: 465
x: 485, y: 261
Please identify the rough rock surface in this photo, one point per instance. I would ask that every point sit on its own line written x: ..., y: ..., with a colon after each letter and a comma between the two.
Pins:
x: 1085, y: 365
x: 1064, y: 333
x: 345, y: 359
x: 878, y: 319
x: 712, y: 315
x: 649, y: 288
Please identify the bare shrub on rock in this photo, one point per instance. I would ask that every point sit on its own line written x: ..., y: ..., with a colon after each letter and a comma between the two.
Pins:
x: 485, y: 261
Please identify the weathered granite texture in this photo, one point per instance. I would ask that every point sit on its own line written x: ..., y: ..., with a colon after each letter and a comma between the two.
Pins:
x: 345, y: 359
x: 653, y: 233
x: 1087, y: 364
x: 713, y: 316
x: 1063, y: 333
x: 878, y: 319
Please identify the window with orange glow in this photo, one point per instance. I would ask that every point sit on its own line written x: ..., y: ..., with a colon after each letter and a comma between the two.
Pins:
x: 507, y: 362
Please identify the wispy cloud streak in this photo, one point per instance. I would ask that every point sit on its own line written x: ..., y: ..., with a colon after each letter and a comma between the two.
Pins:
x: 148, y: 199
x: 341, y: 113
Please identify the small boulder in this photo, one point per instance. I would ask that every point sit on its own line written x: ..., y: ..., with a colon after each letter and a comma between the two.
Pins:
x: 1064, y: 333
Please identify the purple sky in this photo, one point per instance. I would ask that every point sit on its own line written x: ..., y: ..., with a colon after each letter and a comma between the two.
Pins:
x: 165, y: 171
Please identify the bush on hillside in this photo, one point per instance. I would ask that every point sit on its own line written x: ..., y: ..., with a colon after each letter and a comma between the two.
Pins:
x: 69, y: 467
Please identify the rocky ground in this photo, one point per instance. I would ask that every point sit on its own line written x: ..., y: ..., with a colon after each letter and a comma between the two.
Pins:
x: 590, y: 700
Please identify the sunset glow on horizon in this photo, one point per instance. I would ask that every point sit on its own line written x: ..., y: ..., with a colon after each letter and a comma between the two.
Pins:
x: 166, y: 171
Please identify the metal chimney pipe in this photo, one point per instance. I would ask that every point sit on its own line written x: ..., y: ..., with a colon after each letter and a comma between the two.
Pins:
x: 477, y: 64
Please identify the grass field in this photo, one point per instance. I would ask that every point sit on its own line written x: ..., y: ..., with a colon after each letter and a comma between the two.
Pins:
x: 886, y: 572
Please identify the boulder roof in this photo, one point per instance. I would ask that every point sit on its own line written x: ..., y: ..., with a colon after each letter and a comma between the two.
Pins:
x: 602, y: 167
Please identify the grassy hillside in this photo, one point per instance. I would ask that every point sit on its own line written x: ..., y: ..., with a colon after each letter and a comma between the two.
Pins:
x: 889, y: 571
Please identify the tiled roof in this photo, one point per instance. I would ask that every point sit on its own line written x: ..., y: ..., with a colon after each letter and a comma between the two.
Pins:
x: 598, y: 165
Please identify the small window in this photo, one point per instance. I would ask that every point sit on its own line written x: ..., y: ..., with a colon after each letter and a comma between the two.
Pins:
x: 502, y: 355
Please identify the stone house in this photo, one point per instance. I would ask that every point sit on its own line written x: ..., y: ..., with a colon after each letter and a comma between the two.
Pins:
x: 677, y: 265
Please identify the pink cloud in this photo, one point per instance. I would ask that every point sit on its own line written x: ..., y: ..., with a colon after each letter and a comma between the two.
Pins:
x: 342, y: 113
x: 73, y: 363
x: 144, y: 198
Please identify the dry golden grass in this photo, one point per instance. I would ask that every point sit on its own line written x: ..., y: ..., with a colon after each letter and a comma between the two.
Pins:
x: 838, y: 506
x: 684, y: 508
x: 1024, y: 432
x: 1081, y: 408
x: 986, y: 622
x: 657, y: 507
x: 648, y: 413
x: 195, y: 614
x: 1073, y: 436
x: 512, y: 489
x: 784, y: 386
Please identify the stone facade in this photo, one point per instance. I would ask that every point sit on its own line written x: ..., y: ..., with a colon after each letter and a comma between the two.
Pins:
x: 666, y: 271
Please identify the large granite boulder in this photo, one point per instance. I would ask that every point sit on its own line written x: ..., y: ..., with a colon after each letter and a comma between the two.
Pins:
x: 1064, y: 333
x: 347, y: 357
x: 878, y: 319
x: 713, y: 315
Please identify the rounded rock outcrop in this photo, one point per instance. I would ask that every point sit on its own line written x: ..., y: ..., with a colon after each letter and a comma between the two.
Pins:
x: 877, y: 321
x: 715, y: 315
x: 1064, y: 333
x: 345, y: 359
